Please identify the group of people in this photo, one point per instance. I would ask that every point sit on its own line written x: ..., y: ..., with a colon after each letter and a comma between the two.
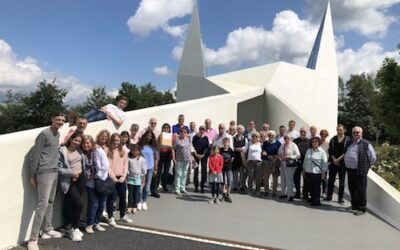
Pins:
x: 138, y: 163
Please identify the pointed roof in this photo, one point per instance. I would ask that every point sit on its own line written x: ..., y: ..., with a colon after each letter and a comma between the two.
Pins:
x: 192, y: 60
x: 323, y: 54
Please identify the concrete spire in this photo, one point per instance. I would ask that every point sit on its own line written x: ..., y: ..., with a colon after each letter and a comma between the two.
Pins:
x: 192, y: 60
x: 323, y: 54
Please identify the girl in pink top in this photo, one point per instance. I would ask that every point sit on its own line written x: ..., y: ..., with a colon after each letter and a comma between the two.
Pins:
x: 118, y: 159
x: 215, y: 164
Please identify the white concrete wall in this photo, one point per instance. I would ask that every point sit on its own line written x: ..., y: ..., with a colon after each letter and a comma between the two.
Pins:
x: 17, y: 196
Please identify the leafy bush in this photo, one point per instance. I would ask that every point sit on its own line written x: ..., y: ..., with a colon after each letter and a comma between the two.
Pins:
x: 388, y: 163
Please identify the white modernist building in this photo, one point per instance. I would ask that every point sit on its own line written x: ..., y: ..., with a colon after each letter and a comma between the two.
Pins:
x: 276, y: 93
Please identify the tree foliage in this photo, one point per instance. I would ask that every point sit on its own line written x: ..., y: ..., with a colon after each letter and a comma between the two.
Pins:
x: 96, y: 99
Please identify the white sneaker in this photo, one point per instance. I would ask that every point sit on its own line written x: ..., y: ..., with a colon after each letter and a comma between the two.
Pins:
x: 144, y: 206
x: 75, y: 235
x: 33, y: 244
x: 99, y: 228
x: 89, y: 229
x: 111, y: 222
x: 105, y: 214
x: 126, y: 219
x: 139, y: 206
x: 51, y: 234
x: 79, y: 232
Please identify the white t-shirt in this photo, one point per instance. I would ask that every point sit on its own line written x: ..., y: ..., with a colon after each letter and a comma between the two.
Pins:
x: 253, y: 151
x: 293, y: 134
x: 116, y: 112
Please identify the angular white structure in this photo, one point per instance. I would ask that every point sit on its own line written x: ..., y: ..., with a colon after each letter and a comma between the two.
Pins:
x: 307, y: 95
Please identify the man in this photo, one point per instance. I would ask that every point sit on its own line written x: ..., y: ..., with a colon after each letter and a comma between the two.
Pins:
x: 110, y: 111
x: 81, y: 124
x: 179, y: 125
x: 219, y: 139
x: 44, y: 176
x: 303, y: 143
x: 152, y: 126
x: 359, y: 157
x: 209, y: 132
x: 251, y: 128
x: 336, y: 153
x: 282, y: 132
x: 314, y: 132
x: 292, y: 133
x: 265, y: 127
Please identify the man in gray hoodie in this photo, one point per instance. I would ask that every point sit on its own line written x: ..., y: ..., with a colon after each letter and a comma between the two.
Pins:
x: 43, y: 176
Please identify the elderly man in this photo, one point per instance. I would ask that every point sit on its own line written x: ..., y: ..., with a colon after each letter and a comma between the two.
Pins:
x: 251, y: 128
x: 219, y: 139
x: 179, y: 125
x: 292, y: 132
x: 152, y: 126
x: 359, y: 156
x: 303, y: 143
x: 209, y: 132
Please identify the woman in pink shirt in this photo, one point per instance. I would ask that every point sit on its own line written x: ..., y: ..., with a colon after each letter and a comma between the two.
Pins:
x: 118, y: 159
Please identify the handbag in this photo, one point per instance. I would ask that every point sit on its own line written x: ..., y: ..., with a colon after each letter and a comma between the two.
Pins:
x: 292, y: 164
x: 105, y: 187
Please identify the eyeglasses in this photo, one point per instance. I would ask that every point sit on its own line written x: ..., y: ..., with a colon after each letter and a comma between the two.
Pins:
x: 356, y: 132
x: 153, y: 123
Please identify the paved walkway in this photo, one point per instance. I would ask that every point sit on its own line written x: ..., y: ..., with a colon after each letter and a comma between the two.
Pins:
x: 262, y: 221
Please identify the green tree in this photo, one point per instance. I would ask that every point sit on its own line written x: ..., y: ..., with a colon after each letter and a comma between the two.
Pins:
x: 388, y: 105
x: 358, y: 107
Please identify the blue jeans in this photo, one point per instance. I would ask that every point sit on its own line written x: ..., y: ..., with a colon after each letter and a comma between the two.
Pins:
x: 95, y: 206
x: 95, y: 115
x: 147, y: 183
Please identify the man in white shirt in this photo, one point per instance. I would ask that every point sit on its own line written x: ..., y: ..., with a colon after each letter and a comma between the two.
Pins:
x: 292, y: 133
x: 110, y: 111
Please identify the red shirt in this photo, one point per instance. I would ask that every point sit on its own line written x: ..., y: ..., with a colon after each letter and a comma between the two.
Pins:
x: 216, y: 163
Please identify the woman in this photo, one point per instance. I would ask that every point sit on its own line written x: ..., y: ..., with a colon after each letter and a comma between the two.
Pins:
x: 269, y: 157
x: 134, y: 138
x: 200, y: 144
x: 164, y: 163
x: 71, y: 165
x: 102, y: 139
x: 324, y: 144
x: 181, y: 159
x: 118, y: 160
x: 288, y: 154
x: 239, y: 146
x: 125, y: 140
x: 253, y: 161
x: 315, y: 164
x: 148, y: 147
x: 96, y: 167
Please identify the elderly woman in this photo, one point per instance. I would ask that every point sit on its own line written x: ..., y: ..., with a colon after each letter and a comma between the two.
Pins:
x: 181, y: 158
x: 324, y: 144
x: 96, y: 167
x: 315, y: 164
x: 134, y: 138
x: 253, y: 160
x: 239, y: 146
x: 288, y: 155
x: 270, y: 161
x: 72, y: 183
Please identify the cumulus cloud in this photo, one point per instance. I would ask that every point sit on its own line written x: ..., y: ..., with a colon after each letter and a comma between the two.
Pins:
x: 24, y: 74
x: 17, y: 72
x: 366, y: 59
x: 367, y: 17
x: 162, y: 71
x: 152, y: 15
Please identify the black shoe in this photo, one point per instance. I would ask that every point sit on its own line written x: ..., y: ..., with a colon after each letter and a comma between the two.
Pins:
x: 228, y: 199
x: 359, y: 212
x: 341, y: 201
x: 327, y: 198
x: 291, y: 199
x: 266, y: 194
x: 202, y: 190
x: 156, y: 195
x: 282, y: 196
x: 234, y: 189
x: 165, y: 189
x: 315, y: 204
x: 196, y: 189
x: 242, y: 190
x: 297, y: 196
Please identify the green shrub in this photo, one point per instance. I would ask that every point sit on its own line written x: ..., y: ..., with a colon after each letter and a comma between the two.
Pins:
x: 388, y: 163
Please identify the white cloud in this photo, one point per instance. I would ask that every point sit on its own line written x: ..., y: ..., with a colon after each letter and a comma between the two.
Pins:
x: 366, y: 59
x: 162, y: 71
x: 367, y: 17
x: 152, y: 15
x: 77, y: 91
x: 17, y: 72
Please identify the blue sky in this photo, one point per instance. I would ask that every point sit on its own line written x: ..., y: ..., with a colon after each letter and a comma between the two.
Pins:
x: 90, y: 43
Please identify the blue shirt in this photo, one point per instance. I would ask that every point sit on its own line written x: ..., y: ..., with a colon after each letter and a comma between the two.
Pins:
x: 270, y: 148
x: 148, y: 154
x: 176, y: 127
x: 351, y: 156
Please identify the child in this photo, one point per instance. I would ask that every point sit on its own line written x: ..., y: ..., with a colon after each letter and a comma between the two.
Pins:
x: 125, y: 140
x: 137, y: 168
x: 227, y: 154
x: 215, y: 163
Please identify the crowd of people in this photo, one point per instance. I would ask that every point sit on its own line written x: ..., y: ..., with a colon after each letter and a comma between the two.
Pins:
x: 141, y: 162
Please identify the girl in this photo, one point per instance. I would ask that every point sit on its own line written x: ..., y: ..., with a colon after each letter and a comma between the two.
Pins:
x: 136, y: 170
x: 96, y: 167
x: 72, y: 183
x: 118, y: 160
x: 125, y: 140
x: 215, y: 164
x: 148, y: 147
x: 227, y: 154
